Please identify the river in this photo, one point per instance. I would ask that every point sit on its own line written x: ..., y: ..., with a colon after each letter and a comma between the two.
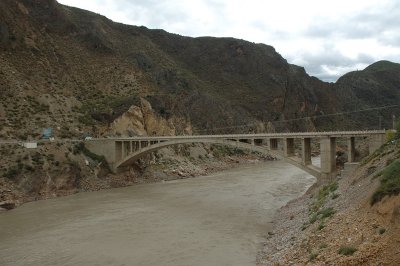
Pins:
x: 218, y: 219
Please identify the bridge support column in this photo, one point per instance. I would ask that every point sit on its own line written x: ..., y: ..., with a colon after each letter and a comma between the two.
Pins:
x: 252, y: 142
x: 123, y: 149
x: 118, y: 150
x: 328, y: 157
x: 375, y: 141
x: 288, y: 148
x: 351, y: 148
x: 273, y: 144
x: 306, y: 151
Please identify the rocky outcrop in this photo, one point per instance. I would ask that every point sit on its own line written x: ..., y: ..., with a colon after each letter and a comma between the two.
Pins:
x: 143, y: 120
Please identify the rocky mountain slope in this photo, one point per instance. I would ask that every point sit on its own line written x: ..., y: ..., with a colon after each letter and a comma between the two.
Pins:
x: 78, y: 71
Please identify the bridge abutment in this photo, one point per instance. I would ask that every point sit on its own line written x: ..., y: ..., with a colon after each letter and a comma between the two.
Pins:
x: 375, y: 141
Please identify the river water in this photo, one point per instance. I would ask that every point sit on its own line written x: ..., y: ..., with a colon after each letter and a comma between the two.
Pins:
x: 218, y: 219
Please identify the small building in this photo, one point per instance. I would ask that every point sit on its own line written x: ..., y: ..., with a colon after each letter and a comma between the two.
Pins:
x: 47, y: 133
x: 30, y: 145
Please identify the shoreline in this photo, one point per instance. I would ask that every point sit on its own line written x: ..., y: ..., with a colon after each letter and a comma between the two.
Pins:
x: 129, y: 178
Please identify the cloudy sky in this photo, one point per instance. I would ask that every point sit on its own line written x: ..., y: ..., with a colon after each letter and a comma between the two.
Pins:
x: 329, y: 38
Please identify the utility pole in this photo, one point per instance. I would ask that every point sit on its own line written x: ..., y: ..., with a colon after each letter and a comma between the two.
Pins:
x: 394, y: 121
x: 380, y: 122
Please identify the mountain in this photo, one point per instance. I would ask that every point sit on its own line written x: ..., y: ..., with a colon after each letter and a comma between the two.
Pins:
x: 77, y: 71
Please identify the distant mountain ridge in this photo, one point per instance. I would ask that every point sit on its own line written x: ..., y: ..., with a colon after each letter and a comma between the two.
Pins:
x: 70, y: 68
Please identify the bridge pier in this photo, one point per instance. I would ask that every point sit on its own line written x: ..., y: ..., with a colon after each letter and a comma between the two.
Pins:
x: 328, y: 157
x: 288, y: 147
x: 351, y: 148
x: 273, y: 144
x: 120, y: 152
x: 306, y: 151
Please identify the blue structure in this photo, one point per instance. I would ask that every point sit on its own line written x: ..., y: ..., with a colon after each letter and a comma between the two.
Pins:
x: 47, y: 133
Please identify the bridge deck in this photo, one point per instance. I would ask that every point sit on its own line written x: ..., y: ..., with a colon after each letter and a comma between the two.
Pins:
x: 256, y: 136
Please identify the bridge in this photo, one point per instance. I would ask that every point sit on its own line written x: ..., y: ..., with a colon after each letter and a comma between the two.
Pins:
x: 120, y: 153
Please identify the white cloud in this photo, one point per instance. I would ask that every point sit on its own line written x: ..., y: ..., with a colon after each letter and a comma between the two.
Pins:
x: 304, y: 32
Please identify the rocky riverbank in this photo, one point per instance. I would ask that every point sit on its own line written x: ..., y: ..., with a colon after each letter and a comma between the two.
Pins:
x: 54, y: 176
x: 335, y: 224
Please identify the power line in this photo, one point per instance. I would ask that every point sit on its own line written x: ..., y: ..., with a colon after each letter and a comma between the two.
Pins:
x: 310, y: 117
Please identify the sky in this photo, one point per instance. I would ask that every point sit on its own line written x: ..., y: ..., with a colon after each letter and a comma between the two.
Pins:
x: 327, y: 37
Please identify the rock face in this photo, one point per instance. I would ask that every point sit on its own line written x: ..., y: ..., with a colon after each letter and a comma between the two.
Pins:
x: 141, y: 121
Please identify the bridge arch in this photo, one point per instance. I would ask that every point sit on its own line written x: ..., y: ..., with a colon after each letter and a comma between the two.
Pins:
x: 121, y: 152
x: 132, y: 157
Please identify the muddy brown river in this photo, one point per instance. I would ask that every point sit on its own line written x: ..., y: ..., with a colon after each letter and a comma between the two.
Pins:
x: 213, y: 220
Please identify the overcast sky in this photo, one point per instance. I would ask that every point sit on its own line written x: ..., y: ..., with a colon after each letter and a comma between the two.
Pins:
x: 327, y: 37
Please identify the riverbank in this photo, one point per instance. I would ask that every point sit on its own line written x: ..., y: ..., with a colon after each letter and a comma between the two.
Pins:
x: 335, y: 224
x: 57, y: 177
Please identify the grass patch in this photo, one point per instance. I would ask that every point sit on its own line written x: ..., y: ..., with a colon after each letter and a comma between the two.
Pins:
x: 220, y: 151
x: 390, y: 182
x: 347, y: 250
x: 313, y: 256
x: 321, y: 226
x: 323, y: 246
x: 317, y: 212
x: 325, y: 213
x: 322, y: 196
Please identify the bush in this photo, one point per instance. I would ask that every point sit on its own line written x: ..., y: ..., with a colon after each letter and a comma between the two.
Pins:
x: 347, y: 250
x: 325, y: 213
x: 12, y: 172
x: 390, y: 182
x: 390, y: 135
x: 80, y: 147
x: 323, y: 193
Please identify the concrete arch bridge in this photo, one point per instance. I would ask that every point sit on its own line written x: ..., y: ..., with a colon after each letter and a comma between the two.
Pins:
x: 122, y: 152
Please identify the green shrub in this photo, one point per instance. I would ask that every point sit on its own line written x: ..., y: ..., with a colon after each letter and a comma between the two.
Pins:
x: 382, y: 231
x: 390, y: 135
x: 322, y: 196
x: 321, y: 226
x: 323, y: 246
x: 12, y: 172
x: 80, y: 147
x: 347, y: 250
x: 325, y: 213
x: 390, y: 182
x: 313, y: 256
